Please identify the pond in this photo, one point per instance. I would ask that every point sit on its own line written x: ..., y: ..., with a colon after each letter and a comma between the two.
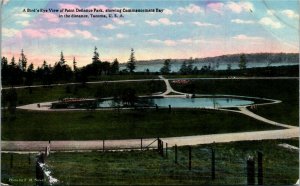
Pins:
x: 174, y: 102
x: 209, y: 102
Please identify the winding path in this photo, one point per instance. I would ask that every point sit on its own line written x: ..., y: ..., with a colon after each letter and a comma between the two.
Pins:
x: 169, y: 89
x: 289, y: 132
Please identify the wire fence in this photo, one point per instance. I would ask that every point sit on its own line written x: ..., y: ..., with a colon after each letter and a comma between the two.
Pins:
x: 158, y: 166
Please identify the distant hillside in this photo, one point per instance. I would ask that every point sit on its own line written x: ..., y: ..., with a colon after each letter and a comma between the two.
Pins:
x: 266, y: 58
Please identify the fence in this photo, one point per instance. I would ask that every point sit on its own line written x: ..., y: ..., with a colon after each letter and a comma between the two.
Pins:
x: 155, y: 162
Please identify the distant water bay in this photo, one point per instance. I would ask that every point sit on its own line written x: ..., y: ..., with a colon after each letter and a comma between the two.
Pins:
x: 175, y: 66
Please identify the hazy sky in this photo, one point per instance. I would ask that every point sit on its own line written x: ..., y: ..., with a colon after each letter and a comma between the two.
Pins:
x: 184, y: 29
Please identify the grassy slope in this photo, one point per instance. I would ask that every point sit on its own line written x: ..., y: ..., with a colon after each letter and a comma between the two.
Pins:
x: 103, y: 78
x: 53, y: 93
x: 284, y: 90
x: 84, y: 125
x: 280, y: 165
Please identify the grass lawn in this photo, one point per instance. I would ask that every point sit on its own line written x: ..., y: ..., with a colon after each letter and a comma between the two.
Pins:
x: 102, y: 78
x: 286, y: 90
x: 280, y: 166
x: 53, y: 93
x: 92, y: 125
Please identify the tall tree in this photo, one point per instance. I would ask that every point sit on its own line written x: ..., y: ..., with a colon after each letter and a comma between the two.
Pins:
x: 29, y: 75
x: 114, y: 68
x: 228, y: 66
x: 46, y: 74
x: 74, y: 65
x: 44, y: 64
x: 105, y: 67
x: 167, y: 67
x: 131, y: 62
x: 4, y: 69
x: 183, y: 68
x: 61, y: 70
x: 23, y: 61
x: 62, y: 60
x: 13, y: 62
x: 96, y: 56
x: 189, y: 68
x: 243, y: 62
x: 15, y: 73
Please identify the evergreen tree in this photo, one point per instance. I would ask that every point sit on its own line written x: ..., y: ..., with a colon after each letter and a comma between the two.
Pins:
x: 228, y: 66
x: 45, y: 73
x: 23, y: 61
x: 4, y: 62
x: 131, y: 62
x: 44, y: 64
x: 96, y: 56
x: 62, y: 71
x: 114, y: 68
x: 243, y: 62
x: 167, y: 67
x: 105, y: 67
x: 13, y: 63
x: 62, y: 60
x: 195, y: 70
x: 4, y: 69
x: 14, y: 73
x: 217, y: 65
x: 74, y: 65
x: 183, y: 68
x: 29, y: 75
x: 189, y: 68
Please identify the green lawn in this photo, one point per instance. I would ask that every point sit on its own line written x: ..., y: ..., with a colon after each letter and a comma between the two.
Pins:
x: 102, y: 78
x: 280, y: 166
x: 91, y: 125
x: 286, y: 90
x: 53, y: 93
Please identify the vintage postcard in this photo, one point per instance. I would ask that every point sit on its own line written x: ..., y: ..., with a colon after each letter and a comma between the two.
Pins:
x: 140, y: 92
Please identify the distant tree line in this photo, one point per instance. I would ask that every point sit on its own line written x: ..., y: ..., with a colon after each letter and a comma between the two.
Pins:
x: 20, y: 73
x: 187, y: 66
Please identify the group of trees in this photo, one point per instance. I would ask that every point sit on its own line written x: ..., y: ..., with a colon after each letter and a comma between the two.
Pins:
x: 187, y: 67
x: 14, y: 73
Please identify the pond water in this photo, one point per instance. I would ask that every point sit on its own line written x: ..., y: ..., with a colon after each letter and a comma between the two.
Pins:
x: 208, y: 102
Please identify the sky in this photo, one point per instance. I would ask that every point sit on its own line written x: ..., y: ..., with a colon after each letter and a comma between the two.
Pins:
x: 183, y: 29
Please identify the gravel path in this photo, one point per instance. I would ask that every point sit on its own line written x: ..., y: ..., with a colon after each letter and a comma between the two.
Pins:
x: 136, y: 143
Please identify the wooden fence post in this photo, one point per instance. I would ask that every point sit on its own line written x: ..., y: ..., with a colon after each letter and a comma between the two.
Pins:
x: 162, y: 148
x: 250, y: 171
x: 260, y: 168
x: 213, y: 168
x: 166, y: 150
x: 176, y: 154
x: 141, y: 143
x: 11, y: 160
x: 190, y: 158
x: 103, y: 145
x: 158, y: 144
